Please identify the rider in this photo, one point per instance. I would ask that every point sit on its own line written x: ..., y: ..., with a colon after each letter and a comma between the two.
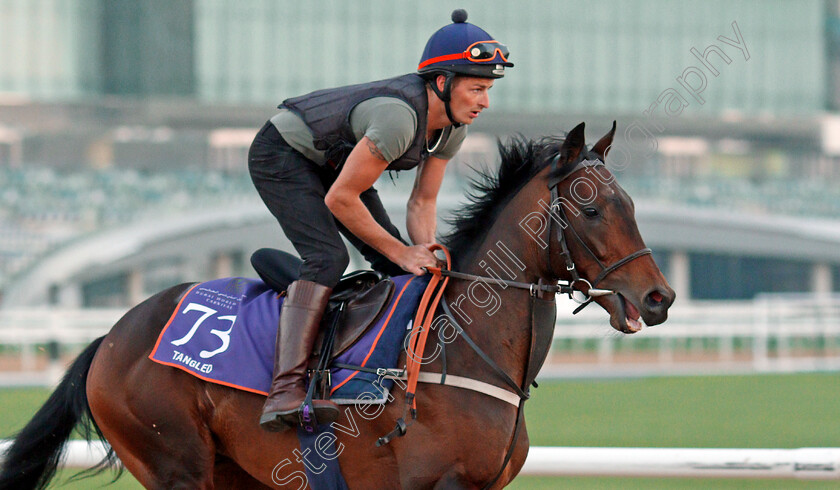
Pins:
x: 314, y: 165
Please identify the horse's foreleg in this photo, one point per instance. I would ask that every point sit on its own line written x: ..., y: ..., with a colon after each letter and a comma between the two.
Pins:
x: 517, y: 460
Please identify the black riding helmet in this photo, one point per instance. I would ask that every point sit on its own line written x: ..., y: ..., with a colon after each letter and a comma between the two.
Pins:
x: 465, y: 49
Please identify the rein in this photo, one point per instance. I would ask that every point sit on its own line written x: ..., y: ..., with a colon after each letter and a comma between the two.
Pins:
x: 533, y: 288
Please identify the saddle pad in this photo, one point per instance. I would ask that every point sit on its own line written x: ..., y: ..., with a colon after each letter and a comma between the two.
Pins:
x: 223, y: 331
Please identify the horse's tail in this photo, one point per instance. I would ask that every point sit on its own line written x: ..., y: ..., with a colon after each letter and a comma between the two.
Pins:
x: 33, y: 457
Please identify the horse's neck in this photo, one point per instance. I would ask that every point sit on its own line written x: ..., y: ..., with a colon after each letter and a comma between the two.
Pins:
x: 509, y: 250
x: 497, y: 318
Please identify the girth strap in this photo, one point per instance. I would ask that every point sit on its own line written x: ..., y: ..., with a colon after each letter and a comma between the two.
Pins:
x: 441, y: 379
x: 467, y: 384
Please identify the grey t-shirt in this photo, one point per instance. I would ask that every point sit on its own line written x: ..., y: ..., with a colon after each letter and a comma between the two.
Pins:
x: 390, y: 123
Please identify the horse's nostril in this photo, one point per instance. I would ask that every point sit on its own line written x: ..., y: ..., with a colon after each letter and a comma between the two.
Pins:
x: 657, y: 300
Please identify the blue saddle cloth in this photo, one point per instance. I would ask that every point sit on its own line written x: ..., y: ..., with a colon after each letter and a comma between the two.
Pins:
x: 223, y: 331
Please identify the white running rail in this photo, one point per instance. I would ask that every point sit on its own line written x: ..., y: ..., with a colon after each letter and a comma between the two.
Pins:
x: 802, y: 463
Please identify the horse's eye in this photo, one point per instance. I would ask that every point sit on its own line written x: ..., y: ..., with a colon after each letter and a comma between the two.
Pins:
x: 590, y: 212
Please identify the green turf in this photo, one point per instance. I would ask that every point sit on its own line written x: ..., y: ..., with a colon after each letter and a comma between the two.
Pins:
x: 730, y: 411
x: 784, y: 411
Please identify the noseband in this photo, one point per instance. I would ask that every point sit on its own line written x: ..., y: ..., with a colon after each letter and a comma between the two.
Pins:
x: 556, y: 230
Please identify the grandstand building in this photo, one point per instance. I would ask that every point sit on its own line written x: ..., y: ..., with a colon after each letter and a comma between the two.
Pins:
x: 124, y: 129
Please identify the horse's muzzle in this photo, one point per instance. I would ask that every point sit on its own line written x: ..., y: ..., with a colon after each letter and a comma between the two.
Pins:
x: 655, y: 305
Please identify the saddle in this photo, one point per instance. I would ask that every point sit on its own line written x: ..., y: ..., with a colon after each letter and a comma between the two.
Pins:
x: 355, y: 304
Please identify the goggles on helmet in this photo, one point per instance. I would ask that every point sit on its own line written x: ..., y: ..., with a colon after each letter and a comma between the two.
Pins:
x: 481, y: 51
x: 486, y: 50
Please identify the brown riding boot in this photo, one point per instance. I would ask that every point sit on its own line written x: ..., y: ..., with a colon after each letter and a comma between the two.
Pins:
x: 299, y: 322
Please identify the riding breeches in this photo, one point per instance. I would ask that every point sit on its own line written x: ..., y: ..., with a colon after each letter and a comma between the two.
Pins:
x: 293, y: 188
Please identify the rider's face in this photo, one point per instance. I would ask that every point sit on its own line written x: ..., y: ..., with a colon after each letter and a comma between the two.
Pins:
x: 469, y: 97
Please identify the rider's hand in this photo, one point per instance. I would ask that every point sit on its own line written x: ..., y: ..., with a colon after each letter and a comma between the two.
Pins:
x: 413, y: 258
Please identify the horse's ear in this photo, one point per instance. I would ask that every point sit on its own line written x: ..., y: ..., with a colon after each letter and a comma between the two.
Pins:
x: 602, y: 147
x: 573, y: 144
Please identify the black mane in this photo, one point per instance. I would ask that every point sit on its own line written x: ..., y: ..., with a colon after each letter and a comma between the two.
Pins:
x: 521, y: 160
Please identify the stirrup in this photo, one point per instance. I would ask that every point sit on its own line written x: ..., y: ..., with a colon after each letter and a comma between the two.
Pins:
x: 306, y: 416
x: 308, y: 413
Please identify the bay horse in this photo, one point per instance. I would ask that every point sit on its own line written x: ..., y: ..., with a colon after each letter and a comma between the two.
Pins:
x: 554, y: 212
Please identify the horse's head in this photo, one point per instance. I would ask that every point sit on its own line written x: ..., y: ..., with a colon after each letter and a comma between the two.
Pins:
x: 556, y: 212
x: 595, y: 241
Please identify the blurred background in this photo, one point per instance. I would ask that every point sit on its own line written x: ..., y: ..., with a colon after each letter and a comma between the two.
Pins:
x: 125, y: 126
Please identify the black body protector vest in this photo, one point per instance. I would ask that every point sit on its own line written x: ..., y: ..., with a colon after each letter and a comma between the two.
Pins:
x: 327, y: 114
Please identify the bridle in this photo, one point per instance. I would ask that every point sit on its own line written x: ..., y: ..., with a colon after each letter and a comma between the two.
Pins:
x: 556, y: 231
x: 560, y: 237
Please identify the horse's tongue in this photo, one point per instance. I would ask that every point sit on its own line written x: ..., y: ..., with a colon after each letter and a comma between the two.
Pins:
x: 632, y: 312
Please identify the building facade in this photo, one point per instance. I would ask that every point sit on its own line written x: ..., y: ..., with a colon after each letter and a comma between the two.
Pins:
x: 724, y: 105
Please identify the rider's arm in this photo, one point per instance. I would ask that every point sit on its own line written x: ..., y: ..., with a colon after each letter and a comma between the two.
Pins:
x: 421, y: 217
x: 363, y: 166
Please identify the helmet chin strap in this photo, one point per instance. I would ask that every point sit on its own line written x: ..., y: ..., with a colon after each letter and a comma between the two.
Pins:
x: 446, y: 95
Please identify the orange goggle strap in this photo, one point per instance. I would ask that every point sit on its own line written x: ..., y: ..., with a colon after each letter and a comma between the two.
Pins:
x: 465, y: 55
